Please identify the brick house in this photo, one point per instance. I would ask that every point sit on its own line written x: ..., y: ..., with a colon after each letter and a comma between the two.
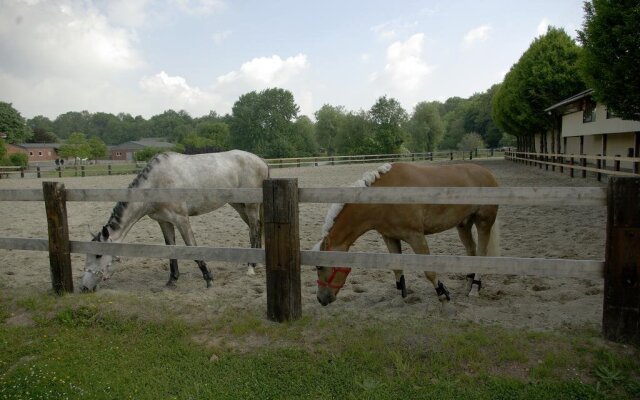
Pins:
x: 126, y: 151
x: 36, y: 152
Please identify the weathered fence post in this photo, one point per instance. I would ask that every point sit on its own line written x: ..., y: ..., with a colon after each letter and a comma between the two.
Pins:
x: 471, y: 155
x: 571, y: 169
x: 55, y: 200
x: 38, y: 174
x: 82, y: 171
x: 616, y: 164
x: 621, y: 309
x: 282, y: 249
x: 598, y: 167
x: 451, y: 155
x: 21, y: 172
x: 109, y: 169
x: 583, y: 164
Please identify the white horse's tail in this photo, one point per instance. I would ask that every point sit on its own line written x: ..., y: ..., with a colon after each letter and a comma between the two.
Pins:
x: 493, y: 247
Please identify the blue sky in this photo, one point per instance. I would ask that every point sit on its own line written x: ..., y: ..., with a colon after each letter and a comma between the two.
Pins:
x: 143, y: 57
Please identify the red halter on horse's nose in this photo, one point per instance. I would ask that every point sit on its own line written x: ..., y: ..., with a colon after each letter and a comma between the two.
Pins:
x: 333, y: 276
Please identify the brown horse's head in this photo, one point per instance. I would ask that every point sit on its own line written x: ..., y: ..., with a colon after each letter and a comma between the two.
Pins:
x: 330, y: 279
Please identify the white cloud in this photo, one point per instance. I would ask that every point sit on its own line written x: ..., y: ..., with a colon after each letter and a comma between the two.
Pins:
x: 200, y: 7
x: 69, y: 40
x: 220, y: 37
x: 406, y: 69
x: 542, y: 26
x: 132, y: 13
x: 365, y: 58
x: 264, y: 72
x: 479, y: 34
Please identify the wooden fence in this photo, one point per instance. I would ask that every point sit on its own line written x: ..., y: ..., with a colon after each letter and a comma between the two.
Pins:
x: 108, y: 168
x: 579, y: 162
x: 282, y: 255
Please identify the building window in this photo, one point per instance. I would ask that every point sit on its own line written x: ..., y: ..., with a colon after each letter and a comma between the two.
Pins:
x: 31, y: 153
x: 40, y: 153
x: 589, y: 111
x: 118, y: 154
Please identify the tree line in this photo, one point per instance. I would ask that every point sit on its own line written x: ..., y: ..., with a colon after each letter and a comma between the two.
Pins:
x: 268, y: 122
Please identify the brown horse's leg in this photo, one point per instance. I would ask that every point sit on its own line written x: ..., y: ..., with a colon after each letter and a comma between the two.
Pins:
x: 488, y: 240
x: 466, y: 237
x: 394, y: 246
x: 419, y: 245
x: 169, y: 234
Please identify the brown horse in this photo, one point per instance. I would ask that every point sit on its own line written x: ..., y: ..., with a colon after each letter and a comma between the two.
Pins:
x: 345, y: 223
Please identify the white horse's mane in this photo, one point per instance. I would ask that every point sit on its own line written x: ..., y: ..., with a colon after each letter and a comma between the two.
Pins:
x: 368, y: 178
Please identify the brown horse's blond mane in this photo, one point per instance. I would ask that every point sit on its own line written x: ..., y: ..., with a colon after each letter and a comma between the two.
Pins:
x: 368, y: 178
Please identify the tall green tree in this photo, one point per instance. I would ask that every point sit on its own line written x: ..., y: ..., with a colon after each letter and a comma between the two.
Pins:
x: 66, y: 124
x: 12, y: 124
x: 610, y: 60
x: 97, y: 148
x: 425, y: 127
x: 328, y: 121
x: 545, y: 74
x: 171, y: 125
x: 75, y: 147
x: 388, y: 118
x: 42, y: 136
x: 355, y: 135
x: 262, y: 123
x: 40, y: 122
x: 304, y: 139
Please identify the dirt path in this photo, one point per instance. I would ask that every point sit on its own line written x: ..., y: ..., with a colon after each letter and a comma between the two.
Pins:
x: 527, y: 231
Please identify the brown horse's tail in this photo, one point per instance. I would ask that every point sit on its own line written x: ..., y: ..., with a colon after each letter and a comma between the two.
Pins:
x: 493, y: 247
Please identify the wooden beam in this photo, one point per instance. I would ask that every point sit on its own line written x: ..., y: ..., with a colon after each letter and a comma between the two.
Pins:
x: 58, y: 227
x: 621, y: 309
x: 458, y: 195
x: 458, y: 264
x: 282, y: 249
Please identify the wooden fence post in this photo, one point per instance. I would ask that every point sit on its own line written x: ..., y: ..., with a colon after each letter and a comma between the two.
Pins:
x: 621, y: 309
x: 109, y: 169
x: 616, y: 164
x: 38, y: 174
x: 82, y: 171
x: 598, y: 166
x: 282, y: 249
x: 55, y: 200
x: 451, y: 155
x: 571, y: 169
x: 583, y: 164
x: 21, y: 172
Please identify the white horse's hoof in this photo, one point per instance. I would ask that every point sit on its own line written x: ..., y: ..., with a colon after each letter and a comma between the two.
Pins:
x: 251, y: 271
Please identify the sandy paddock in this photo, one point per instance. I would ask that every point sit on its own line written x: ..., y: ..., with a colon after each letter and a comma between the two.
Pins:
x: 526, y: 231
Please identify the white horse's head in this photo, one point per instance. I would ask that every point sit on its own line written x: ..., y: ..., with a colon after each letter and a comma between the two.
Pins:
x: 96, y: 267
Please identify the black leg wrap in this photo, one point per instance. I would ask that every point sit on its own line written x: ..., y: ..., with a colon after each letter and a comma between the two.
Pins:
x: 442, y: 290
x: 401, y: 285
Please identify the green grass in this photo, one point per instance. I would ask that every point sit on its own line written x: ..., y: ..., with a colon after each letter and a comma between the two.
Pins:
x: 80, y: 348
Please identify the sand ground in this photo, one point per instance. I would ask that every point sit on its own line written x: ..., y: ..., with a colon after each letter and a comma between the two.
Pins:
x: 532, y: 303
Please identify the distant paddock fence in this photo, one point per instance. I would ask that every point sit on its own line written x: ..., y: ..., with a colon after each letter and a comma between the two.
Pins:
x: 114, y: 168
x: 582, y: 163
x: 282, y: 255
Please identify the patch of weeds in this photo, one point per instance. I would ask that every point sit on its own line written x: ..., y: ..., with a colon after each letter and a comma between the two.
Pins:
x: 34, y: 382
x: 548, y: 366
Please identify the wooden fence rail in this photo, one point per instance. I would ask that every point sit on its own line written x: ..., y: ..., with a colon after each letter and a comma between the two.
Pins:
x: 577, y: 162
x: 102, y: 168
x: 282, y: 256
